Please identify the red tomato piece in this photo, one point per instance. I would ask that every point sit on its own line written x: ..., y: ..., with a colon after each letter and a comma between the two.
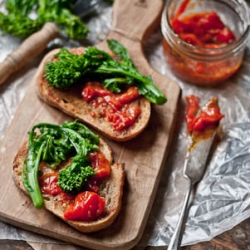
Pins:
x: 182, y: 7
x: 93, y: 90
x: 87, y: 206
x: 100, y: 164
x: 48, y: 184
x: 125, y: 119
x: 88, y: 93
x: 191, y: 39
x: 130, y: 95
x: 113, y: 102
x: 225, y: 36
x: 210, y: 20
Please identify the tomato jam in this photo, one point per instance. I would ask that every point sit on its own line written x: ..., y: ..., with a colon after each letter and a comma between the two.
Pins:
x: 201, y: 122
x: 118, y: 109
x: 198, y: 44
x: 86, y: 205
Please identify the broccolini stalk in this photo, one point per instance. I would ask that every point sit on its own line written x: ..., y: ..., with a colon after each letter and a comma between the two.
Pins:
x: 30, y: 171
x: 54, y: 144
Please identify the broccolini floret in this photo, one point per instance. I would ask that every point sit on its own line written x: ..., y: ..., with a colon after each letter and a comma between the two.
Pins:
x: 72, y: 178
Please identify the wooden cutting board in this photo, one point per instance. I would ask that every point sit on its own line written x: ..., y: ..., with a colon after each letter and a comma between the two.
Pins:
x: 144, y: 156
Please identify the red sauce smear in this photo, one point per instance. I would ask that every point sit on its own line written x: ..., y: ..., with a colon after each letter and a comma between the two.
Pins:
x: 201, y: 29
x: 199, y: 119
x: 115, y: 108
x: 87, y: 205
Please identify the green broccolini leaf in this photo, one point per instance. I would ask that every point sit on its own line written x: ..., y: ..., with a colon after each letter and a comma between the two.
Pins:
x: 54, y: 144
x: 121, y: 52
x: 83, y: 131
x: 132, y: 75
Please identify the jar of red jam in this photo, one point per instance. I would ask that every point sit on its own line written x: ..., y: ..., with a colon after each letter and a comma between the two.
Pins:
x: 204, y: 40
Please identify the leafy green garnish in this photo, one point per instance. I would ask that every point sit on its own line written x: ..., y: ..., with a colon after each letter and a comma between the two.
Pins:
x: 115, y: 74
x: 54, y: 144
x: 19, y: 25
x: 20, y: 22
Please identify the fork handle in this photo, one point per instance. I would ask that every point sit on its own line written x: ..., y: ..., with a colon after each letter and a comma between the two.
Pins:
x: 177, y: 236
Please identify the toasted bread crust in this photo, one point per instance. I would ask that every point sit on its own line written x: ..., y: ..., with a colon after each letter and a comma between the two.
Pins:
x: 70, y: 102
x: 111, y: 189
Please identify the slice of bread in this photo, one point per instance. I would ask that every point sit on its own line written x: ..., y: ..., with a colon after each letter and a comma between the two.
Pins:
x: 71, y: 102
x: 111, y: 189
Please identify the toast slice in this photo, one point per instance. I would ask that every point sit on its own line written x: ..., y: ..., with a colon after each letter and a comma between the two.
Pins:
x: 71, y: 102
x: 111, y: 189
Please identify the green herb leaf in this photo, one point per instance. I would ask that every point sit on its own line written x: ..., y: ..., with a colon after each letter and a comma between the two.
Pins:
x: 18, y: 21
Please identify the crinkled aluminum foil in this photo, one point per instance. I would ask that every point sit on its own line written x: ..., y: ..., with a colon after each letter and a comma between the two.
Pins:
x: 222, y: 198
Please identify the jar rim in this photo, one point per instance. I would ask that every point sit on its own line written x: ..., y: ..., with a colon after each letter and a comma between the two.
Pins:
x: 194, y: 51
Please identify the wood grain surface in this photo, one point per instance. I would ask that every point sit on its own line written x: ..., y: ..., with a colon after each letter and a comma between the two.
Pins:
x: 238, y: 238
x: 144, y: 156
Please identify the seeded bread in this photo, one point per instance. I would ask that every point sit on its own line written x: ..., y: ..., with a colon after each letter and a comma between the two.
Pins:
x: 70, y: 102
x: 111, y: 189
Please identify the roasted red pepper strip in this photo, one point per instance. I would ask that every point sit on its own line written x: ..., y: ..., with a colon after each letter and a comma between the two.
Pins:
x: 207, y: 117
x: 191, y: 110
x: 48, y: 184
x: 100, y: 164
x: 87, y: 206
x: 201, y: 29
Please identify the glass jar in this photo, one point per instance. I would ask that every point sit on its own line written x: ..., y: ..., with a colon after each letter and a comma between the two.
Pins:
x: 205, y: 65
